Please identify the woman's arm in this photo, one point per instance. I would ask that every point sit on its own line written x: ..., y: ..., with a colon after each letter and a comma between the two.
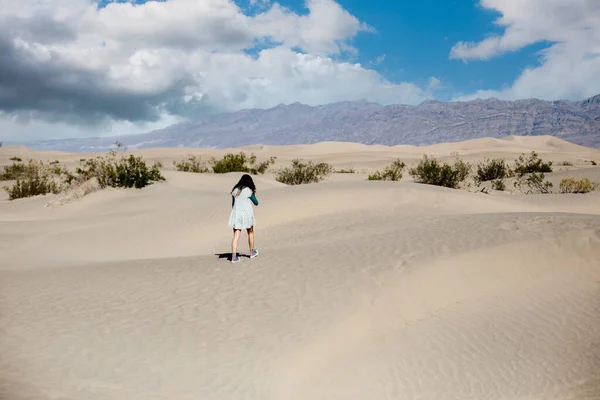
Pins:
x: 254, y: 199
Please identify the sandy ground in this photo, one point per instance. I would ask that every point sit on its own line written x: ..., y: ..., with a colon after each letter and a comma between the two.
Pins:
x: 362, y: 290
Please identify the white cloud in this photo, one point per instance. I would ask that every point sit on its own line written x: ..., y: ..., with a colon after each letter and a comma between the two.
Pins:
x: 570, y: 66
x: 433, y: 83
x: 380, y: 59
x: 324, y: 31
x: 26, y: 127
x: 68, y: 63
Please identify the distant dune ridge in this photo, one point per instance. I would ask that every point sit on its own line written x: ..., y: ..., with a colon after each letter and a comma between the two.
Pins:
x: 362, y: 290
x: 369, y: 123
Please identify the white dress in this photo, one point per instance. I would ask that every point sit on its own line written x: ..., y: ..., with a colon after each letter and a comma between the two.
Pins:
x: 242, y: 214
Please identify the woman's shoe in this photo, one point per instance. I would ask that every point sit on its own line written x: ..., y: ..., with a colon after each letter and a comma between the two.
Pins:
x: 254, y: 253
x: 235, y: 258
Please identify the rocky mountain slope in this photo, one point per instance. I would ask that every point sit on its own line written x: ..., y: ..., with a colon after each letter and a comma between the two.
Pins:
x: 370, y: 123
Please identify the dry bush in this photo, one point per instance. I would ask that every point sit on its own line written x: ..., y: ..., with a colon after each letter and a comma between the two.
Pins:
x: 240, y: 163
x: 594, y: 163
x: 566, y: 164
x: 392, y: 172
x: 345, y: 171
x: 570, y: 185
x: 191, y: 164
x: 490, y: 170
x: 499, y: 185
x: 533, y: 183
x: 76, y: 191
x: 303, y: 173
x: 431, y: 172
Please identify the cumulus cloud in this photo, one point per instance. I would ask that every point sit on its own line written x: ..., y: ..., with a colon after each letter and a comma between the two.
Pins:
x: 570, y: 65
x: 71, y: 63
x: 433, y: 83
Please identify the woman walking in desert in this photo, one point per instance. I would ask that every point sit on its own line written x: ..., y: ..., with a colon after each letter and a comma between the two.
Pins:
x: 242, y: 214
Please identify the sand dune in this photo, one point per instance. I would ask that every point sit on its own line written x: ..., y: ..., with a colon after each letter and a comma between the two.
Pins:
x: 362, y: 290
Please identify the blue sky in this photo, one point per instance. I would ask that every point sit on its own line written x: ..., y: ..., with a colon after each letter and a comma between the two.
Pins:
x: 416, y: 37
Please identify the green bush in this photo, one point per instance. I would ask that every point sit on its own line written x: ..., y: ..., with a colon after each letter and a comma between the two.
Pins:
x: 499, y: 185
x: 392, y: 172
x: 124, y: 172
x: 32, y: 187
x: 463, y: 169
x: 531, y: 164
x: 430, y: 171
x: 13, y: 171
x: 303, y: 173
x: 490, y: 170
x: 37, y: 178
x: 570, y: 185
x: 240, y: 163
x: 192, y: 164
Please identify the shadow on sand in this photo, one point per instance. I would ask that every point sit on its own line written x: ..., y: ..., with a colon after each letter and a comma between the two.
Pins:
x: 227, y: 256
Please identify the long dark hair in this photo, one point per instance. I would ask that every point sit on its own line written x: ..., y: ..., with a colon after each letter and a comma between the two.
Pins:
x: 245, y: 181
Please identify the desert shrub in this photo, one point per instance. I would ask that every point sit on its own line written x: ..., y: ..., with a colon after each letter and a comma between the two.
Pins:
x: 392, y: 172
x: 33, y: 186
x: 490, y: 170
x: 499, y: 185
x: 345, y: 171
x: 533, y: 183
x: 566, y: 164
x: 570, y: 185
x: 536, y: 183
x: 531, y: 164
x: 594, y: 163
x: 13, y: 171
x: 124, y: 172
x: 463, y: 169
x: 431, y: 172
x: 240, y: 163
x: 303, y: 173
x: 191, y: 164
x: 18, y: 159
x: 37, y: 178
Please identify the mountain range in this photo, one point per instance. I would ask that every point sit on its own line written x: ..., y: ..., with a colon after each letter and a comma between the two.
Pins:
x: 369, y: 123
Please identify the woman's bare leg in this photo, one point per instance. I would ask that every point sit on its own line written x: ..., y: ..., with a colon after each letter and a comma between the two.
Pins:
x: 234, y: 242
x: 251, y: 238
